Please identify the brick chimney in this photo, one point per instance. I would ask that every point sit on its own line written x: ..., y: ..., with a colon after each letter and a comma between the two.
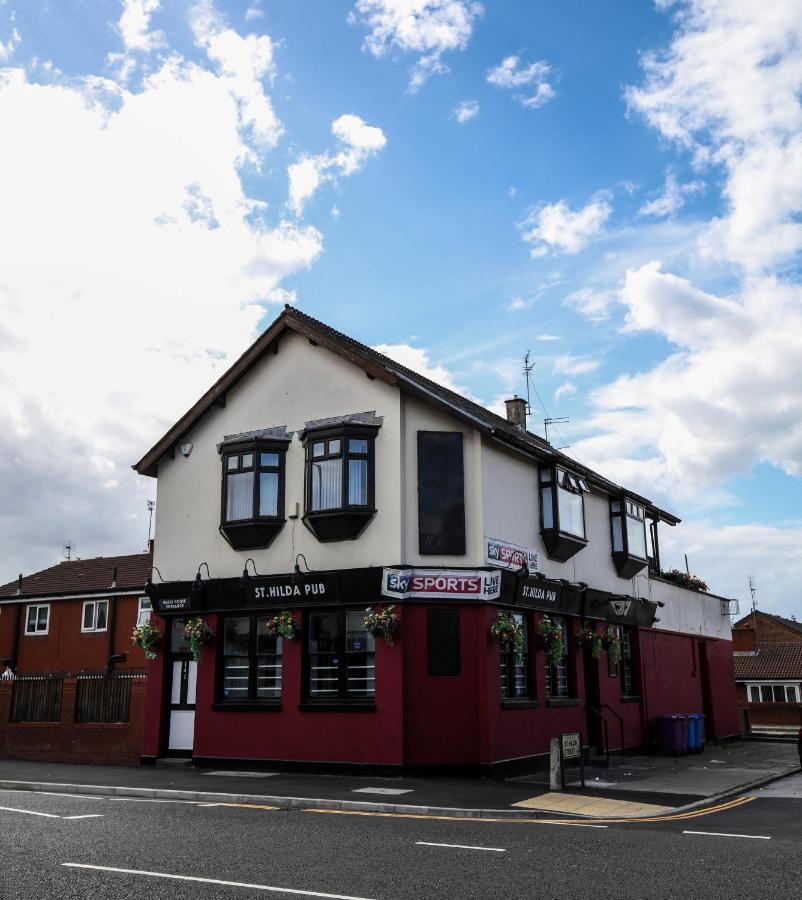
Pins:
x: 516, y: 412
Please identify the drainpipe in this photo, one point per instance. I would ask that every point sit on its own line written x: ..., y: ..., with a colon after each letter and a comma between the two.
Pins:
x: 112, y: 626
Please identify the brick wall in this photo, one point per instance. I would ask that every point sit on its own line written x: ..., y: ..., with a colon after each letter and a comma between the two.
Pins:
x: 768, y: 631
x: 70, y: 741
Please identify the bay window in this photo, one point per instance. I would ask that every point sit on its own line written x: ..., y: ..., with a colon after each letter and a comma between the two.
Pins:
x: 250, y: 661
x: 253, y: 491
x: 340, y: 491
x: 340, y: 658
x: 562, y: 512
x: 628, y: 524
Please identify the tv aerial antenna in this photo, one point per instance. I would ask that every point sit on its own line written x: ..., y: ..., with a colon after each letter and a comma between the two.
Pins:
x: 68, y: 548
x: 151, y: 505
x: 528, y: 366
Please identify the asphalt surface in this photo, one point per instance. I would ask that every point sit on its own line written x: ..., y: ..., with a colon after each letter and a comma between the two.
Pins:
x: 748, y: 850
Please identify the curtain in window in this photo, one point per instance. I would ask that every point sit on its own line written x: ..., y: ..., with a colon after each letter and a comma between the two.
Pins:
x: 636, y: 537
x: 239, y: 496
x: 358, y: 482
x: 326, y: 484
x: 572, y: 519
x: 268, y: 494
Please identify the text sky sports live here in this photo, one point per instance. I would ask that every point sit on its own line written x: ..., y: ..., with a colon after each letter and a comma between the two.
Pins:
x: 403, y: 583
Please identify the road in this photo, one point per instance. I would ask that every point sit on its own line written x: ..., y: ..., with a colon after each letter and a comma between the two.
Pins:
x: 69, y: 847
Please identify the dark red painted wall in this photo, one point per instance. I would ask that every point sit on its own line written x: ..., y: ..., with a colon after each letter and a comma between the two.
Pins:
x: 65, y: 648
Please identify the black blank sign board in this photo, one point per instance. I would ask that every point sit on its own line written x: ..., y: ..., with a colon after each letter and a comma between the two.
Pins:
x: 443, y: 641
x: 441, y: 493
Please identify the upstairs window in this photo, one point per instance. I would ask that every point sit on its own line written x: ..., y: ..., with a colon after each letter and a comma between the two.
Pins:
x: 340, y: 489
x: 253, y: 492
x: 144, y: 610
x: 562, y: 512
x: 37, y: 619
x: 95, y: 615
x: 628, y: 523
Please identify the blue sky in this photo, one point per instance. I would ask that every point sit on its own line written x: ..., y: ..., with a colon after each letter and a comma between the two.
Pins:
x: 618, y: 196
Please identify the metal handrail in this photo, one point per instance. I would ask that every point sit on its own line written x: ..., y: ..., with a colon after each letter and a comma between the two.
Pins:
x: 620, y: 722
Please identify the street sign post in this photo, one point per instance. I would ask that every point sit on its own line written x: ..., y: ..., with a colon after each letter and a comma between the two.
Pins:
x: 571, y: 748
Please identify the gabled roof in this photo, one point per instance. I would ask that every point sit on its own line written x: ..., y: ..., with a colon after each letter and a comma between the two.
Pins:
x: 792, y: 624
x: 376, y: 365
x: 782, y: 660
x: 83, y: 576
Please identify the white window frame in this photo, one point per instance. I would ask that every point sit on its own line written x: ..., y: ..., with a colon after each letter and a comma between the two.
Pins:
x: 143, y: 612
x: 94, y: 604
x: 794, y: 685
x: 37, y: 606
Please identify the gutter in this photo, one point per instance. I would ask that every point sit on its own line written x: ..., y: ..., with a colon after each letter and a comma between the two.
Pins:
x: 51, y: 598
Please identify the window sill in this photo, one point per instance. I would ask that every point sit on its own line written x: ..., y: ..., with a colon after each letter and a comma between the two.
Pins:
x: 562, y: 701
x: 247, y: 706
x: 630, y: 698
x: 520, y: 704
x: 358, y: 706
x: 251, y: 534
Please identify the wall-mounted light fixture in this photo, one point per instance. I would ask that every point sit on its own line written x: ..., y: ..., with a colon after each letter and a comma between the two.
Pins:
x: 246, y: 580
x: 298, y: 576
x: 197, y: 584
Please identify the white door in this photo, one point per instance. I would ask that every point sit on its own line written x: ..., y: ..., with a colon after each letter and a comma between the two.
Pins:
x: 182, y: 704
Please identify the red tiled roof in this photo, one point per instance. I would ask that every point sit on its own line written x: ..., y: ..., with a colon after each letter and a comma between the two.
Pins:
x: 83, y: 576
x: 772, y: 661
x: 746, y: 621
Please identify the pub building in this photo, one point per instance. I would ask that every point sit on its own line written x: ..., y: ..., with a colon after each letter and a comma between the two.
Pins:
x: 318, y: 479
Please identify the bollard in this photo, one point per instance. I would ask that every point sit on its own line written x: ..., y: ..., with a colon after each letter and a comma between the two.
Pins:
x: 556, y: 769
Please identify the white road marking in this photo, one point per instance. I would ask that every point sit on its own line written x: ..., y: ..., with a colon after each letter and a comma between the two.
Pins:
x: 380, y: 790
x: 86, y: 816
x: 575, y: 824
x: 254, y: 887
x: 460, y: 846
x: 52, y: 794
x: 753, y: 837
x: 243, y: 774
x: 29, y: 812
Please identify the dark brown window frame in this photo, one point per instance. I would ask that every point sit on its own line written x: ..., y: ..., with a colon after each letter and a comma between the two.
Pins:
x: 507, y: 661
x: 348, y: 520
x: 627, y: 564
x: 257, y: 531
x: 560, y: 545
x: 252, y: 702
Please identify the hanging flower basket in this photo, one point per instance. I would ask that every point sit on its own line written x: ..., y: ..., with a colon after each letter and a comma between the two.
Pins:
x: 149, y: 638
x: 382, y: 621
x: 588, y: 638
x: 198, y: 633
x: 282, y: 625
x: 552, y: 640
x: 612, y: 644
x: 507, y: 631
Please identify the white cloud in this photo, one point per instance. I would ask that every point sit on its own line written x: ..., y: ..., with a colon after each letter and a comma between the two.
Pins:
x: 566, y: 364
x: 593, y: 303
x: 512, y: 75
x: 357, y: 141
x: 253, y: 12
x: 727, y: 88
x: 133, y: 28
x: 672, y: 198
x: 519, y: 303
x: 7, y: 48
x: 426, y: 27
x: 417, y: 359
x: 555, y: 227
x: 548, y: 337
x: 567, y: 389
x: 465, y: 111
x: 142, y: 283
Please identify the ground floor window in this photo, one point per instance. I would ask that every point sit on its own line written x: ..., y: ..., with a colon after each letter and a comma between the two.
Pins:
x: 340, y: 656
x: 774, y: 693
x: 251, y: 660
x: 515, y: 680
x: 557, y: 683
x: 628, y: 682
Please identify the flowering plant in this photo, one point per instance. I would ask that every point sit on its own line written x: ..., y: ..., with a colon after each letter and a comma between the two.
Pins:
x: 282, y: 625
x: 148, y: 637
x: 198, y: 633
x: 506, y: 630
x: 685, y: 579
x: 589, y: 639
x: 552, y: 639
x: 382, y: 621
x: 612, y: 643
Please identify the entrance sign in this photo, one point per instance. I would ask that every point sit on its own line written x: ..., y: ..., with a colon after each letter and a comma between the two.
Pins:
x: 506, y: 555
x: 441, y: 584
x: 174, y: 604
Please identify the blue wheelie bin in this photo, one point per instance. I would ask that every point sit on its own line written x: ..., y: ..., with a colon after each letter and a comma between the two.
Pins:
x: 696, y: 742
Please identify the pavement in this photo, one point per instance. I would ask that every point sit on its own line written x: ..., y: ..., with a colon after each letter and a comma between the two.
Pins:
x: 637, y: 786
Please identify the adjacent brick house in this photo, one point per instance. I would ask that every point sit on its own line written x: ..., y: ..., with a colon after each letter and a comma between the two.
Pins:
x: 73, y: 683
x: 768, y: 668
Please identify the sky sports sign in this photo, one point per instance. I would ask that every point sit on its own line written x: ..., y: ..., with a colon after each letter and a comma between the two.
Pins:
x: 434, y: 584
x: 509, y: 556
